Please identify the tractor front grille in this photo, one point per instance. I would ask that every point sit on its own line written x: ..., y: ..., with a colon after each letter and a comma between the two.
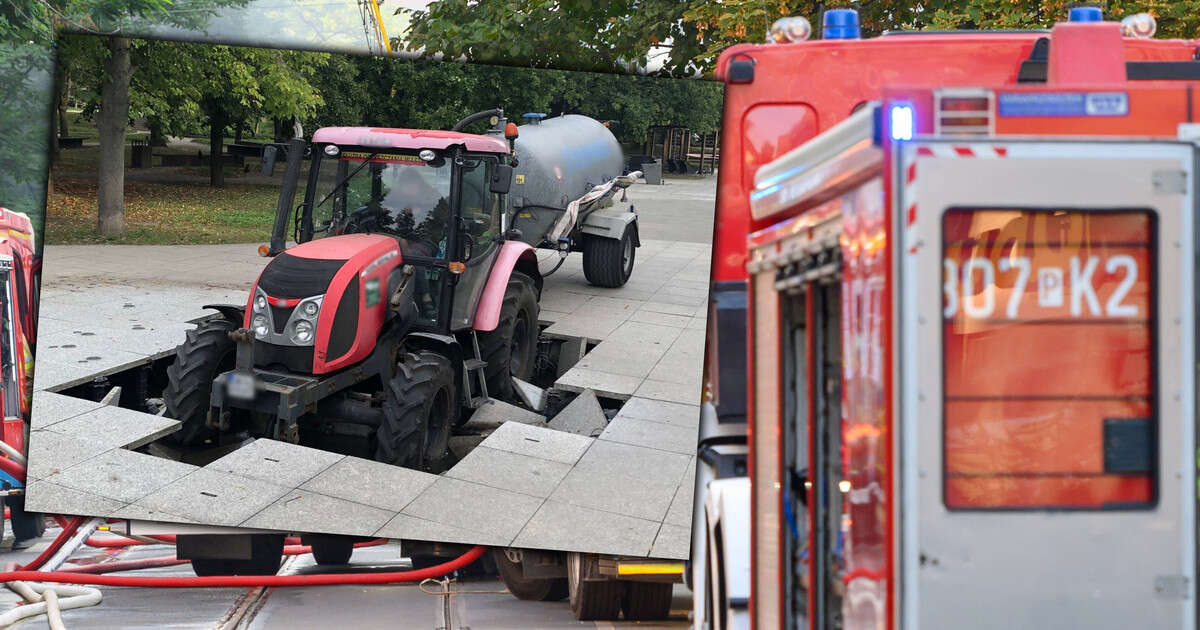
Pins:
x: 292, y: 277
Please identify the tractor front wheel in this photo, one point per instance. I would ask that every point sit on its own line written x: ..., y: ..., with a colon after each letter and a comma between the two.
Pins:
x: 608, y: 262
x: 510, y: 349
x: 206, y: 353
x: 418, y: 412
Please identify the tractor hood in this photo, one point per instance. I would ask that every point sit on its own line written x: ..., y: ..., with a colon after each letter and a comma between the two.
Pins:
x: 386, y: 138
x: 319, y: 306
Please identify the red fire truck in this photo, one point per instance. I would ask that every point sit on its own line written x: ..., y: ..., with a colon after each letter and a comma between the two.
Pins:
x: 991, y: 471
x: 20, y: 269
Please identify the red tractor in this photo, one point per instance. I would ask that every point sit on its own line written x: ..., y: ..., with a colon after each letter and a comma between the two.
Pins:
x: 412, y: 292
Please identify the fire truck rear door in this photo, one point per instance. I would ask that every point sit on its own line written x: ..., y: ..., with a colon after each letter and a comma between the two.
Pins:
x: 1046, y: 384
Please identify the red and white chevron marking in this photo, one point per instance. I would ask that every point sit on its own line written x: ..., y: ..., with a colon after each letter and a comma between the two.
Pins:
x: 969, y: 150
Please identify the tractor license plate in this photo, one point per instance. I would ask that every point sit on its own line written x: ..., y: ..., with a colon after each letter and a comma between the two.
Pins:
x: 240, y: 385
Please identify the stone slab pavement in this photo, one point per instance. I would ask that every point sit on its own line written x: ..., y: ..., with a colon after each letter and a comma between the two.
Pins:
x: 108, y: 307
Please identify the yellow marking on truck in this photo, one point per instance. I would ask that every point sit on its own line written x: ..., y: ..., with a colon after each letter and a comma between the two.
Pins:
x: 649, y: 568
x: 520, y: 179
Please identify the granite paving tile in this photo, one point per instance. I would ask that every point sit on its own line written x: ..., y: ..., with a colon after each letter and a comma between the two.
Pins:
x: 280, y: 463
x: 213, y: 497
x: 116, y: 427
x: 563, y: 526
x: 50, y: 408
x: 475, y: 507
x: 48, y: 498
x: 583, y: 416
x: 510, y: 471
x: 408, y: 527
x: 51, y: 453
x: 672, y: 543
x: 493, y: 413
x: 122, y: 475
x: 607, y: 384
x: 539, y: 442
x: 660, y: 411
x: 656, y: 435
x: 624, y: 479
x: 320, y: 513
x: 371, y: 483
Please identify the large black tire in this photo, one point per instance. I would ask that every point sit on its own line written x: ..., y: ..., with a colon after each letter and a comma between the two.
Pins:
x: 205, y: 353
x: 25, y: 525
x: 510, y: 349
x: 647, y: 601
x: 608, y: 262
x: 266, y: 552
x: 598, y: 600
x: 533, y: 589
x: 330, y: 549
x: 418, y: 411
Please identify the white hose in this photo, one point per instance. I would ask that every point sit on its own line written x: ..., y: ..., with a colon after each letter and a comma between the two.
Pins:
x: 12, y: 453
x: 67, y: 597
x: 73, y: 545
x: 53, y: 610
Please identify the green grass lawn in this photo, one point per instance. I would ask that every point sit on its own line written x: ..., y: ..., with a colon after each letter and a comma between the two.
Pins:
x: 164, y: 213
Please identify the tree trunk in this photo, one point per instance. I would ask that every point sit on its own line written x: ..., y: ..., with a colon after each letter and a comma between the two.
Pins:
x: 64, y: 129
x: 237, y: 132
x: 216, y: 140
x: 112, y: 121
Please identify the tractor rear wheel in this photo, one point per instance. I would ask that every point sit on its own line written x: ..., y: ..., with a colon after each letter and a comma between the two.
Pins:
x: 418, y: 412
x: 608, y: 262
x: 205, y: 353
x: 510, y: 349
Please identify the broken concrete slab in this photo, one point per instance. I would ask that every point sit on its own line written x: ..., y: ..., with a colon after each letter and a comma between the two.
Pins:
x: 583, y: 416
x: 493, y: 413
x: 680, y: 512
x: 570, y: 352
x: 533, y: 396
x: 539, y: 442
x: 371, y: 483
x: 510, y: 471
x: 605, y: 384
x: 280, y: 463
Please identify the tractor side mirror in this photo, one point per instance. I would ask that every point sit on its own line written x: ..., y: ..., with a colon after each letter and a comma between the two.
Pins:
x: 502, y: 177
x: 269, y: 154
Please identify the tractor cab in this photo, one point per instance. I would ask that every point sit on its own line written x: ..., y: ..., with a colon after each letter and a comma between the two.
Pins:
x: 438, y: 195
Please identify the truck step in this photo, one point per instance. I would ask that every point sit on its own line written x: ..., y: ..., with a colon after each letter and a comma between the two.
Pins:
x: 474, y: 364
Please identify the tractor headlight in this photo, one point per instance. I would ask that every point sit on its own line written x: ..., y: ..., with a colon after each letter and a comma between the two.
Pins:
x: 302, y: 332
x: 260, y: 326
x: 310, y: 309
x: 260, y: 303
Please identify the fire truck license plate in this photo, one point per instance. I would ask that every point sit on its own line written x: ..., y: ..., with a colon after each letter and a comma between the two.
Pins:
x: 240, y: 385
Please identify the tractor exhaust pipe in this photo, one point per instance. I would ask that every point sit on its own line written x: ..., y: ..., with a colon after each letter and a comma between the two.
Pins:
x: 499, y: 113
x: 287, y: 196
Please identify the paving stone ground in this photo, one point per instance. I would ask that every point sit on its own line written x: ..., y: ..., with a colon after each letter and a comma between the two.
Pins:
x: 627, y: 491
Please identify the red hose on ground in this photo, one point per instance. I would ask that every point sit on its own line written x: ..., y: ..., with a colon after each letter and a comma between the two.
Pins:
x: 68, y: 531
x: 170, y: 561
x: 321, y: 579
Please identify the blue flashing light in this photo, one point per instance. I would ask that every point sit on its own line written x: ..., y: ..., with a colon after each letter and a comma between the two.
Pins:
x: 534, y: 115
x: 1085, y: 14
x: 902, y: 122
x: 840, y: 24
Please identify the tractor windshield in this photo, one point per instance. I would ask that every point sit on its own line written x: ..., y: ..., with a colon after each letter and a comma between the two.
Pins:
x: 389, y: 193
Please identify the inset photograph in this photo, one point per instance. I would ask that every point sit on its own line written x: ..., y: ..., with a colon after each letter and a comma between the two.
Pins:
x: 376, y: 298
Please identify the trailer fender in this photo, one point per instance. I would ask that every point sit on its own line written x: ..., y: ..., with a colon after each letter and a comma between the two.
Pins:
x: 611, y: 223
x: 235, y: 313
x: 513, y: 255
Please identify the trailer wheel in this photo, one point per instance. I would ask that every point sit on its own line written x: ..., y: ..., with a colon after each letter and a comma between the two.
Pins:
x: 647, y: 601
x: 598, y: 600
x: 266, y: 553
x: 418, y: 411
x: 510, y: 349
x: 534, y: 589
x: 330, y: 549
x: 205, y: 353
x: 608, y: 262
